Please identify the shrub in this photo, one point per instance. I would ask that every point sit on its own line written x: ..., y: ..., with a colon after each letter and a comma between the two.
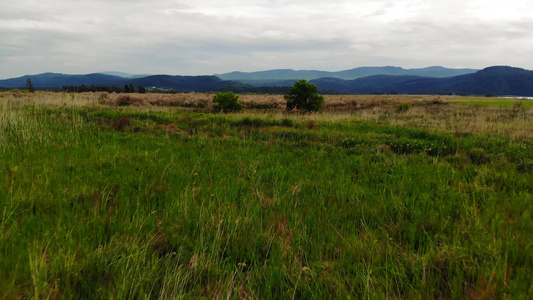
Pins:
x: 516, y: 110
x: 226, y: 102
x: 122, y: 123
x: 403, y: 107
x: 127, y: 100
x: 102, y: 98
x: 303, y: 96
x: 478, y: 156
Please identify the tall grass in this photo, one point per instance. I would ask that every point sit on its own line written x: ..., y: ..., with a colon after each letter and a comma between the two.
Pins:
x: 181, y: 204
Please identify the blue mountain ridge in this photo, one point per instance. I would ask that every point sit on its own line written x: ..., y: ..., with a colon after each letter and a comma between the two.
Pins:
x: 497, y: 80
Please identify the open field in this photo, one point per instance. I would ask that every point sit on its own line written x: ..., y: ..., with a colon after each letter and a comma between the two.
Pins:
x: 489, y: 101
x: 153, y: 196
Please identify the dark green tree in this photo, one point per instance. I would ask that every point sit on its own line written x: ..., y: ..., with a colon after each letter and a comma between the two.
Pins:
x: 303, y: 96
x: 226, y: 102
x: 29, y: 86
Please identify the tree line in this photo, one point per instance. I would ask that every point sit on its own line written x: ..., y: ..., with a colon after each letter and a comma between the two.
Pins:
x: 128, y: 88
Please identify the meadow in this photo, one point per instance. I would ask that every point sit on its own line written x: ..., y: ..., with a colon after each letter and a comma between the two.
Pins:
x: 153, y: 196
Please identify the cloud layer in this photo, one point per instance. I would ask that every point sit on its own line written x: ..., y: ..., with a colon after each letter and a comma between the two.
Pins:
x: 207, y: 36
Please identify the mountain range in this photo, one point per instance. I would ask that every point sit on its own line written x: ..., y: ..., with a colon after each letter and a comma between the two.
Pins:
x: 179, y: 83
x: 282, y: 75
x: 497, y: 80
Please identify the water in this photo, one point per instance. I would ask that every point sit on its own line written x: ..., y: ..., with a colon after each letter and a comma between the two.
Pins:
x: 517, y: 97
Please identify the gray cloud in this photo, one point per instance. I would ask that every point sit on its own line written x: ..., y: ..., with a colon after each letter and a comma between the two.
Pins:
x: 208, y: 36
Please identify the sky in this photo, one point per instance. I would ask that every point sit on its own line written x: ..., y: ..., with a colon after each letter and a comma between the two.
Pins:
x: 205, y: 37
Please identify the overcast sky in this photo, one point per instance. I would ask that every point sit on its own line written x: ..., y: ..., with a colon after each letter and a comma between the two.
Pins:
x: 181, y: 37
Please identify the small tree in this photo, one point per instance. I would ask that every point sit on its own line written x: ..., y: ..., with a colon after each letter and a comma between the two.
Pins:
x: 29, y: 86
x: 303, y: 96
x: 226, y: 102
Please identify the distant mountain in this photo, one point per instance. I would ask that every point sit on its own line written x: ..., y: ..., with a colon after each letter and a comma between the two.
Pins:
x: 179, y: 83
x: 279, y: 77
x: 274, y: 75
x: 365, y: 85
x: 498, y: 80
x: 57, y: 80
x: 125, y: 75
x: 188, y: 83
x: 269, y: 82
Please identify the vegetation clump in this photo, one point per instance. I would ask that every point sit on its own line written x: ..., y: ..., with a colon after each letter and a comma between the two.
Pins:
x: 29, y: 86
x: 226, y: 102
x: 121, y: 123
x: 129, y: 100
x: 303, y: 96
x: 403, y: 107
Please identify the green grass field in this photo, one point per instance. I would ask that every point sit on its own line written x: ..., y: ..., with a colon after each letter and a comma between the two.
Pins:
x: 488, y: 101
x: 106, y: 202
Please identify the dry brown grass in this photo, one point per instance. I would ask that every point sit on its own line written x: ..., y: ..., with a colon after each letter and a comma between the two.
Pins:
x: 430, y: 112
x: 121, y: 123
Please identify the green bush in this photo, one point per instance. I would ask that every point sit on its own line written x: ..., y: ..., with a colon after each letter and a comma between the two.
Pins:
x: 226, y: 102
x: 403, y: 107
x: 478, y: 156
x: 303, y: 96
